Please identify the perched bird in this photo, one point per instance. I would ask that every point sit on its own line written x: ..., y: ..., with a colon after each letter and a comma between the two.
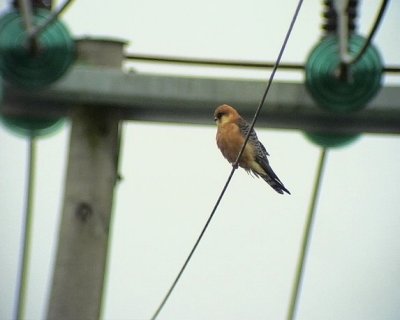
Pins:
x: 231, y: 133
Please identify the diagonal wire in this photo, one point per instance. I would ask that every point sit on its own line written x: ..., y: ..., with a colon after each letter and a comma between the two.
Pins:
x: 235, y: 165
x: 33, y: 31
x: 371, y: 34
x: 278, y: 60
x: 52, y: 18
x: 306, y: 240
x: 26, y: 235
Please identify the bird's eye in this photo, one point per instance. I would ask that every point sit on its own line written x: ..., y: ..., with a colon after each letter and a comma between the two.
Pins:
x: 219, y: 115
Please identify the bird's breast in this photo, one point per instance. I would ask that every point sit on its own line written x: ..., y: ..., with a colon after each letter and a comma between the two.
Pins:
x: 230, y: 141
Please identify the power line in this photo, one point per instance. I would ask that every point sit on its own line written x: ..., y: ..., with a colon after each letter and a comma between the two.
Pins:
x: 27, y: 231
x: 306, y: 239
x: 211, y: 62
x: 227, y: 63
x: 235, y: 165
x: 53, y: 17
x: 371, y: 33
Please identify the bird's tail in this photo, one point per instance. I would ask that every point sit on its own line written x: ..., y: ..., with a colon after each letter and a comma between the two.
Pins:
x: 272, y: 179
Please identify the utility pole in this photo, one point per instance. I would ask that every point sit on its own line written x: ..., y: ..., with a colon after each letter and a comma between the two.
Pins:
x: 78, y: 278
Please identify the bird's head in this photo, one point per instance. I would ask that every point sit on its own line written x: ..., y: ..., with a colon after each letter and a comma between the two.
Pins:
x: 224, y: 114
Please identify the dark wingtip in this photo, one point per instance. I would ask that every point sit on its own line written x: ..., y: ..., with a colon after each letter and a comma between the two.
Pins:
x: 277, y: 186
x: 286, y: 190
x: 272, y: 179
x: 282, y: 190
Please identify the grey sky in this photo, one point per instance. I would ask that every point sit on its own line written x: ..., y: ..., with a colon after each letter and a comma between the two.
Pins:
x: 172, y: 175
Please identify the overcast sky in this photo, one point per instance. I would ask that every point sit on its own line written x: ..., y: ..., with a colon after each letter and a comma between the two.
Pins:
x: 244, y: 267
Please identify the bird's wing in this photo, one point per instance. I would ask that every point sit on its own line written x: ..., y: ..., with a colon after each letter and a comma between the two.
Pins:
x: 244, y: 129
x: 261, y: 158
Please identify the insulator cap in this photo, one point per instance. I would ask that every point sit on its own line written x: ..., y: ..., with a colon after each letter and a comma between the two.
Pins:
x: 19, y: 65
x: 335, y: 94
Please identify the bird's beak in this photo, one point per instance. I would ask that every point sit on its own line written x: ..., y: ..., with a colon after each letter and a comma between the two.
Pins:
x: 215, y: 118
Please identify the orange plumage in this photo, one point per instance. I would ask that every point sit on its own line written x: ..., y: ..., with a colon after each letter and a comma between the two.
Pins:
x: 231, y: 133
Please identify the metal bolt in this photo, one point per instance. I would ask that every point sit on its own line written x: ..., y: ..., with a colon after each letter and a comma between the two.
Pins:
x: 83, y: 211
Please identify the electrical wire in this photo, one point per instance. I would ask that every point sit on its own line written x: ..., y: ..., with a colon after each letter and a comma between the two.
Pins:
x: 211, y: 62
x: 33, y: 31
x: 306, y: 240
x: 24, y: 266
x: 54, y: 15
x: 235, y: 165
x: 227, y: 63
x: 374, y: 28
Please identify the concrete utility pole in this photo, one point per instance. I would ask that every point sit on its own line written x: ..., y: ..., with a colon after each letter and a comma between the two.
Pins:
x: 91, y: 176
